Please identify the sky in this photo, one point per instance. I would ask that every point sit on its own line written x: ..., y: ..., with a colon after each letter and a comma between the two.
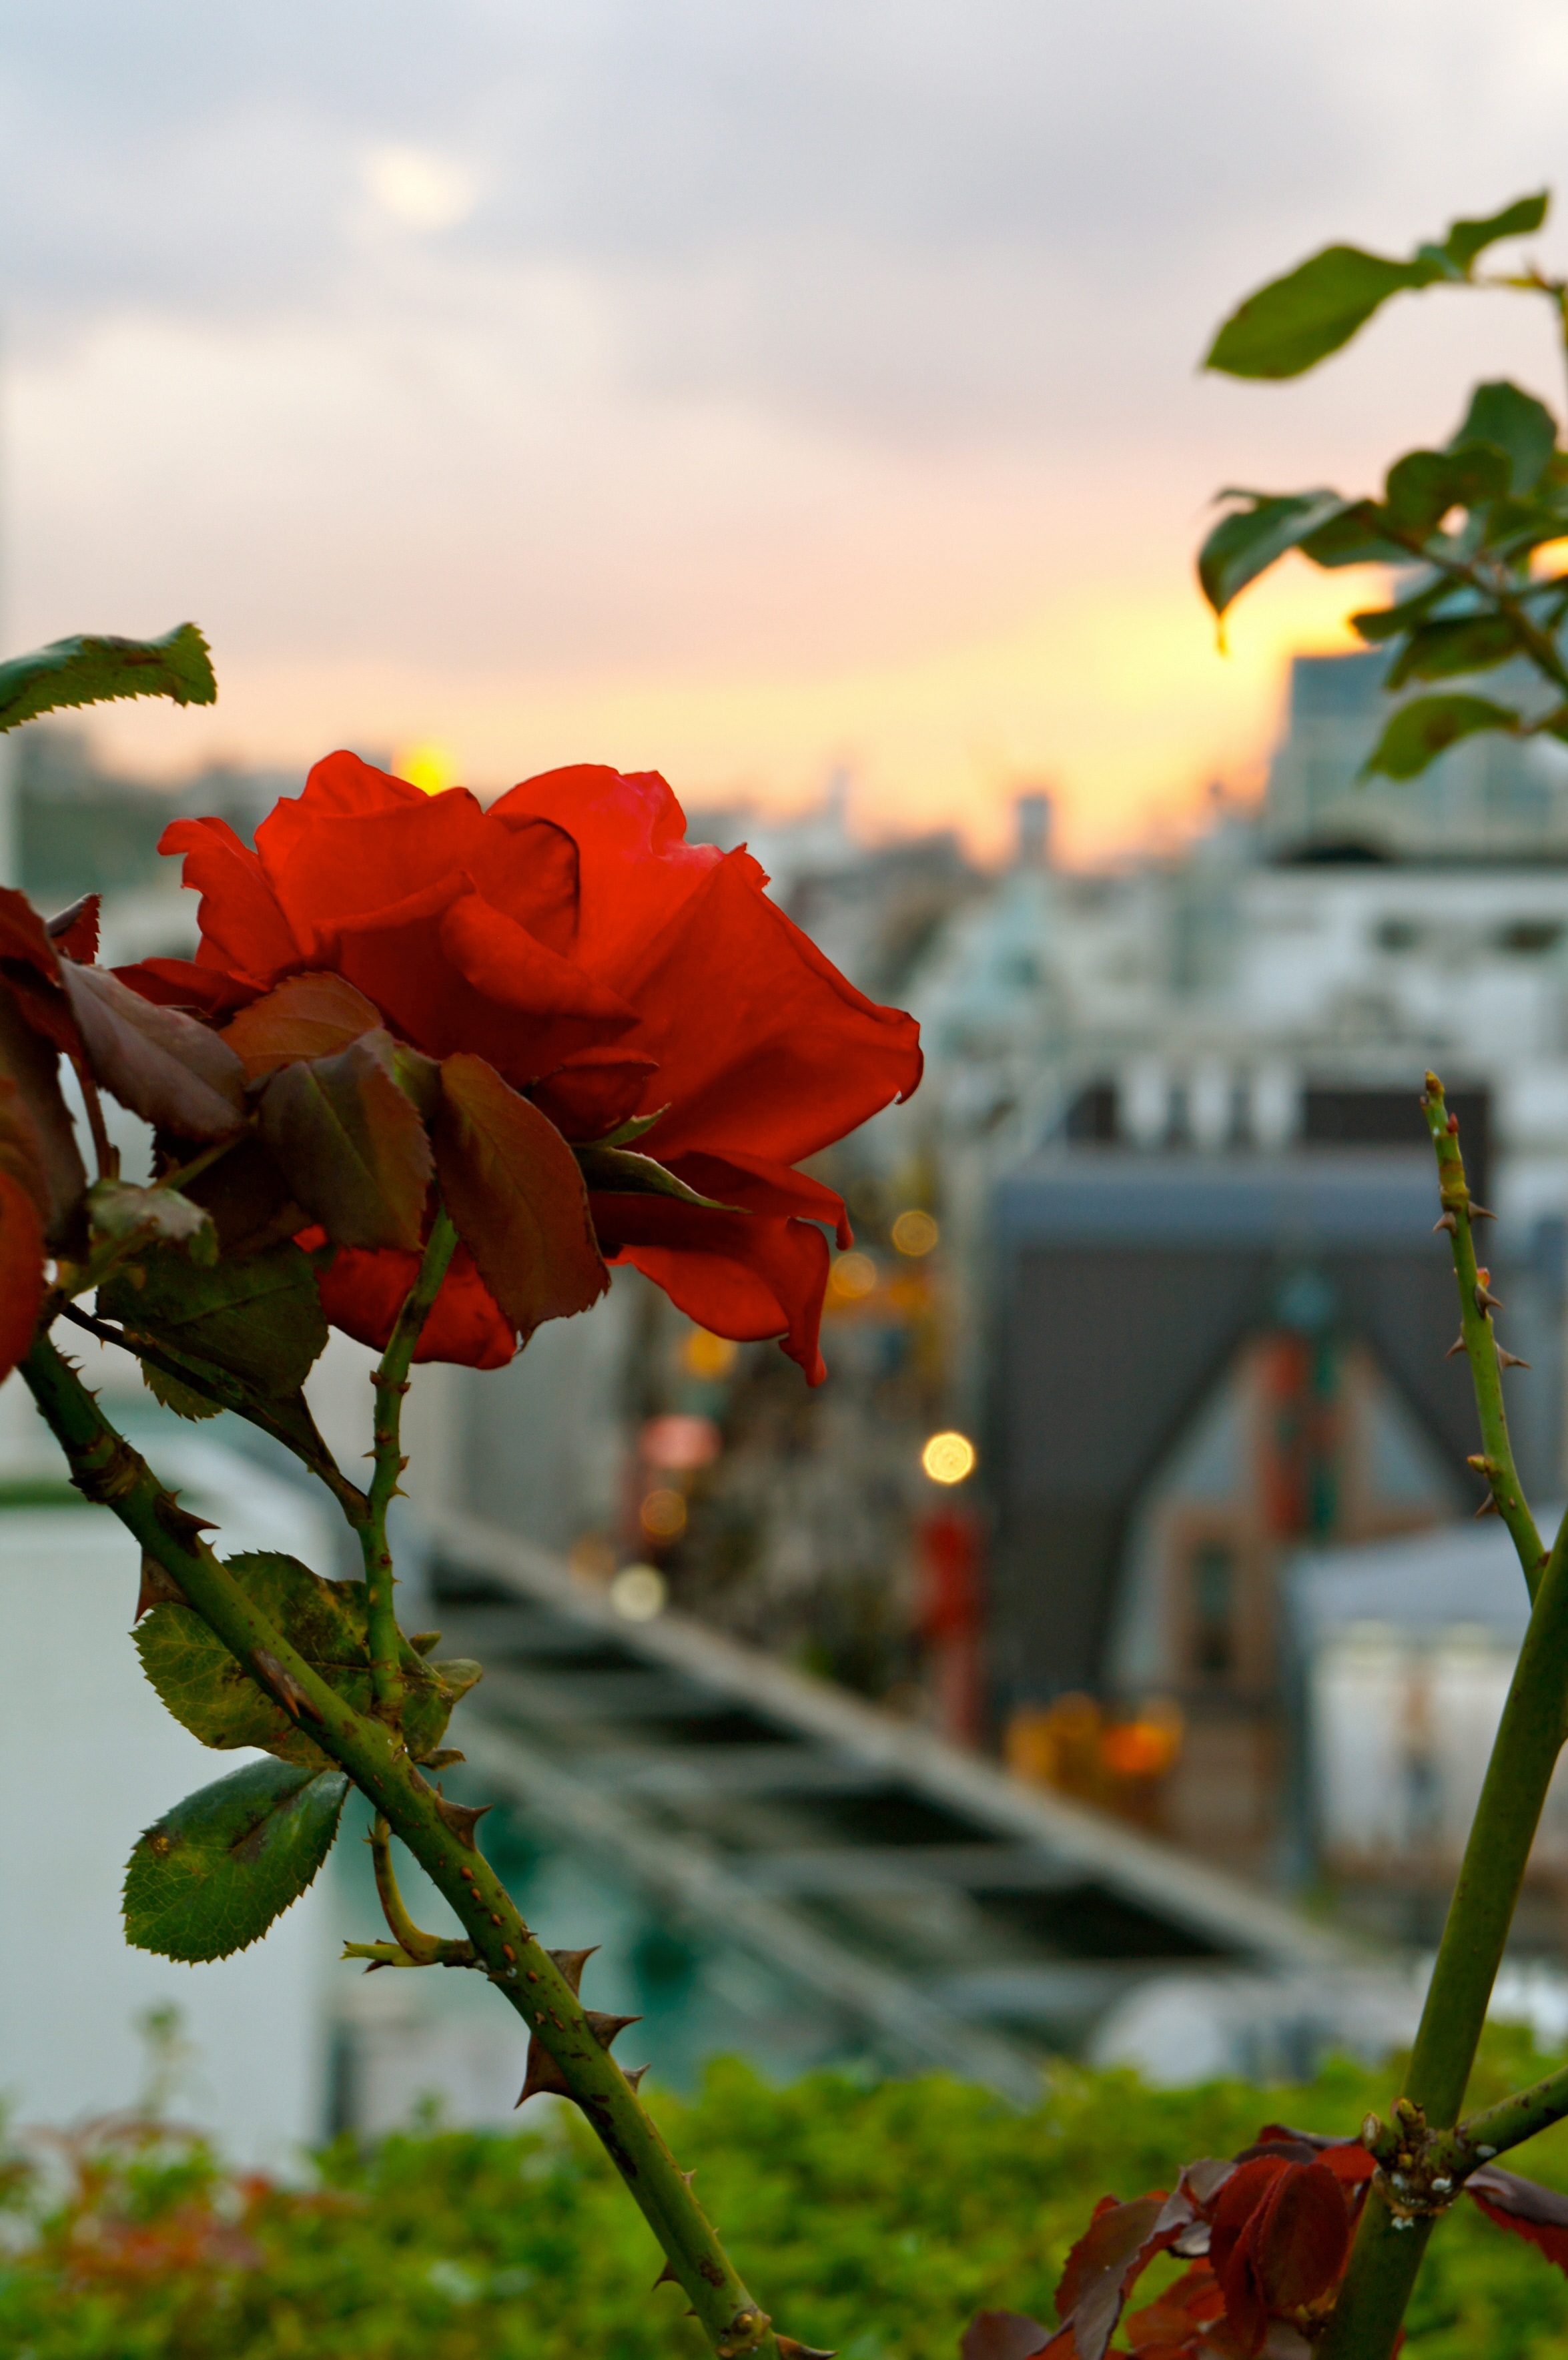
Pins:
x: 729, y: 388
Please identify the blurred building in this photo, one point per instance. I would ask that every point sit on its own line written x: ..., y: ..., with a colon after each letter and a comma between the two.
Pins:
x: 1186, y: 1197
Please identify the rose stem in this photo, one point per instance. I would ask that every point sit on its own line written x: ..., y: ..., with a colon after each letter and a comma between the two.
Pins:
x: 440, y: 1835
x: 1388, y: 2249
x: 391, y: 1382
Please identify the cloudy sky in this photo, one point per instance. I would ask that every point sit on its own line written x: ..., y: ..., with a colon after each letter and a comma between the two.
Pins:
x: 727, y: 387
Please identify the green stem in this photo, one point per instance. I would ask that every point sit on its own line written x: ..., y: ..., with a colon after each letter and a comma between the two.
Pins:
x: 1476, y: 1331
x: 425, y: 1950
x: 1509, y: 2124
x: 291, y: 1423
x: 391, y: 1382
x: 1389, y: 2244
x: 440, y: 1836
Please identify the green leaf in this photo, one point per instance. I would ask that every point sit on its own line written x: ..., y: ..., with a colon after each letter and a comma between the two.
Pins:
x: 259, y: 1319
x: 351, y: 1145
x: 182, y: 1399
x: 1424, y: 485
x: 210, y: 1695
x: 638, y: 1176
x: 634, y: 1125
x: 96, y: 670
x: 1293, y: 322
x: 1380, y: 623
x: 1424, y: 728
x: 1249, y: 541
x: 213, y: 1874
x: 1442, y: 650
x: 1513, y: 422
x: 1466, y: 239
x: 1356, y: 538
x: 513, y: 1188
x: 118, y: 1209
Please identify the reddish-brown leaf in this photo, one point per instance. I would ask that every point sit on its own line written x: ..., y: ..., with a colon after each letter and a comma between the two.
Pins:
x: 512, y: 1186
x: 20, y: 1153
x: 1193, y: 2303
x: 30, y: 965
x: 74, y: 931
x: 1525, y: 2207
x: 31, y: 1064
x: 1118, y: 2245
x: 175, y: 1074
x: 1303, y: 2237
x: 1003, y: 2335
x: 350, y: 1145
x: 308, y: 1016
x: 21, y: 1270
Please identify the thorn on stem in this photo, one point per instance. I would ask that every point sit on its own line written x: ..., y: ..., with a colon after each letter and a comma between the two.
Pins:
x: 1489, y: 1507
x: 1480, y: 1213
x: 1458, y: 1345
x: 463, y: 1818
x: 1445, y: 1221
x: 569, y: 1965
x: 283, y: 1684
x: 1510, y: 1360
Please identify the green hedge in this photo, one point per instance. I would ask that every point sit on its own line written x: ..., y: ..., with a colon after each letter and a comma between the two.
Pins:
x: 876, y: 2219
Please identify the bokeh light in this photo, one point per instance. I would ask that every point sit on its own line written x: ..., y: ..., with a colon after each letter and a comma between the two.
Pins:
x: 709, y: 1357
x: 949, y: 1458
x: 663, y: 1515
x: 853, y: 1277
x: 638, y: 1592
x: 915, y: 1233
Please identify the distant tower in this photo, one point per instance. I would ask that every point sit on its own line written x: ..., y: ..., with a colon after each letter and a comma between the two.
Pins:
x: 1032, y: 813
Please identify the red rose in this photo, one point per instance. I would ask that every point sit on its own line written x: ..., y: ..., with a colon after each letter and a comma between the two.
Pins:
x: 572, y: 938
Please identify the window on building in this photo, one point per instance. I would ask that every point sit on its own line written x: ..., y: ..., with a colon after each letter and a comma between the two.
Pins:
x: 1214, y: 1585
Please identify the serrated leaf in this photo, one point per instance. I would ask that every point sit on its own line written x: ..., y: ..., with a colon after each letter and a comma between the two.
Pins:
x: 96, y: 670
x: 1514, y: 423
x: 208, y: 1693
x: 351, y: 1145
x: 1467, y: 239
x: 627, y: 1175
x: 174, y: 1073
x: 182, y: 1399
x: 1288, y: 326
x: 120, y: 1209
x: 74, y: 931
x: 1249, y: 541
x: 514, y: 1190
x: 1427, y: 727
x: 215, y: 1873
x: 31, y: 1064
x: 260, y: 1318
x: 1424, y: 485
x: 308, y: 1016
x: 1440, y: 650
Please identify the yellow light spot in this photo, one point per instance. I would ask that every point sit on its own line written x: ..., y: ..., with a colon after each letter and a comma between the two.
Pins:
x: 638, y: 1591
x: 915, y: 1233
x: 663, y: 1515
x: 949, y: 1458
x: 431, y: 768
x: 853, y: 1276
x: 708, y: 1355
